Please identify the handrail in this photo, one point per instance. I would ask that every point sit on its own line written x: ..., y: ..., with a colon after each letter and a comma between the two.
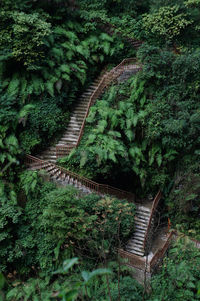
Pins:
x: 139, y: 262
x: 105, y: 81
x: 153, y: 208
x: 94, y: 186
x: 161, y: 252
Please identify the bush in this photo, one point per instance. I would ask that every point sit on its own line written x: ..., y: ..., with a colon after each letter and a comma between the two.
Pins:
x: 46, y: 120
x: 180, y: 275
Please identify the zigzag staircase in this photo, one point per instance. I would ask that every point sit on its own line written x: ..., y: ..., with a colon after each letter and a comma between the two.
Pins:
x: 139, y: 244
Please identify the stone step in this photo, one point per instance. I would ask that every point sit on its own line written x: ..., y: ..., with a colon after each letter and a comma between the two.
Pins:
x: 53, y: 171
x: 79, y: 114
x: 75, y: 119
x: 141, y: 216
x: 136, y: 252
x: 139, y: 234
x: 135, y: 246
x: 52, y: 156
x: 142, y: 224
x: 82, y: 106
x: 141, y: 208
x: 71, y: 135
x: 140, y: 229
x: 141, y: 213
x: 136, y: 242
x: 79, y: 110
x: 73, y: 127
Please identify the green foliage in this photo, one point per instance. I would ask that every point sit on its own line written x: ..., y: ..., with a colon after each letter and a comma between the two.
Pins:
x: 46, y: 52
x: 45, y: 120
x: 10, y: 214
x: 27, y: 29
x: 9, y: 145
x: 167, y: 22
x: 73, y: 285
x: 183, y: 200
x: 179, y: 278
x: 81, y: 287
x: 58, y: 222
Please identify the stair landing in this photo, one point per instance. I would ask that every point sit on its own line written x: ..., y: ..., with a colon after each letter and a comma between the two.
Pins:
x: 147, y: 264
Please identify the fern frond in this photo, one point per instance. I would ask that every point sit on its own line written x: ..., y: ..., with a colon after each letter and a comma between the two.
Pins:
x: 50, y: 88
x: 13, y: 87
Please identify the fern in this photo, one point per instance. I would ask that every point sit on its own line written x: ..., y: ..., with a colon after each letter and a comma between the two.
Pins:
x: 130, y: 135
x: 13, y: 87
x: 37, y: 83
x: 105, y: 37
x: 159, y: 159
x: 57, y: 53
x: 23, y: 86
x: 106, y: 47
x: 5, y: 83
x: 65, y: 68
x: 66, y: 77
x: 69, y: 55
x: 84, y: 158
x: 81, y: 77
x: 26, y: 110
x: 155, y: 149
x: 29, y: 89
x: 102, y: 124
x: 50, y: 88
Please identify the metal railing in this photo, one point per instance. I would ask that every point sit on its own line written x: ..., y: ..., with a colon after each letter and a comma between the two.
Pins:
x: 153, y: 208
x: 79, y: 180
x: 140, y: 262
x: 160, y: 253
x: 132, y: 259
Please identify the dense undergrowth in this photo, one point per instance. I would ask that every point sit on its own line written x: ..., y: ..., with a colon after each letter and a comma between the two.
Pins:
x: 141, y: 135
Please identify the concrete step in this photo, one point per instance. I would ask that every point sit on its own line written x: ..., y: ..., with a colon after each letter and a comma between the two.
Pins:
x: 141, y: 213
x: 71, y: 135
x: 136, y: 252
x: 142, y: 217
x: 82, y: 106
x: 136, y: 242
x: 140, y: 229
x: 139, y: 234
x: 142, y: 224
x: 69, y: 140
x: 75, y: 119
x: 139, y: 248
x: 79, y: 110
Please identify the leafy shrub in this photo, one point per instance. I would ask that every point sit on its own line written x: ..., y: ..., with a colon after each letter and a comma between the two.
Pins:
x: 10, y: 215
x: 44, y: 121
x: 59, y: 222
x: 180, y: 275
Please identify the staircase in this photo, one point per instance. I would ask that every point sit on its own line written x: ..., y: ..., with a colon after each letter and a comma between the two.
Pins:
x: 64, y: 177
x: 144, y: 213
x: 70, y: 138
x: 136, y: 244
x: 74, y: 131
x: 144, y: 218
